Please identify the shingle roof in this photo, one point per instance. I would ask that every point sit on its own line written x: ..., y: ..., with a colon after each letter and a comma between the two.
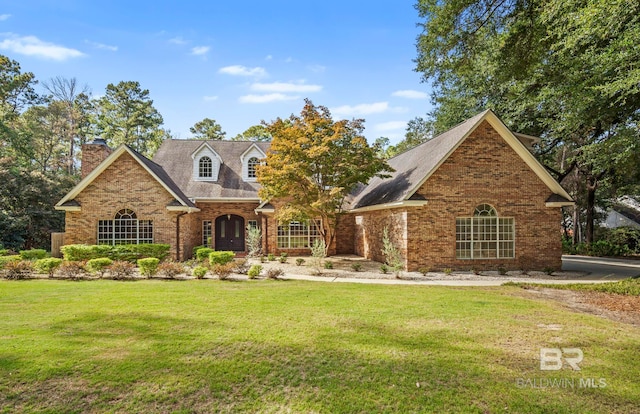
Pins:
x: 411, y: 167
x: 175, y: 157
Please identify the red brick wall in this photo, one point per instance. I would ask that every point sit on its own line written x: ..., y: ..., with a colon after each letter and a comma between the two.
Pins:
x: 211, y: 211
x: 484, y: 169
x: 92, y: 156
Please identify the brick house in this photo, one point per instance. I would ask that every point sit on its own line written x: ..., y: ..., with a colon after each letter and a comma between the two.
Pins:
x: 473, y: 197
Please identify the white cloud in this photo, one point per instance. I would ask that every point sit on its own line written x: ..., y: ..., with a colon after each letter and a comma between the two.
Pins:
x: 361, y: 109
x: 210, y: 98
x: 285, y: 87
x: 178, y: 41
x: 410, y: 94
x: 200, y: 50
x: 391, y: 126
x: 32, y: 46
x: 4, y: 17
x: 271, y: 97
x: 101, y: 46
x: 317, y: 68
x: 239, y: 70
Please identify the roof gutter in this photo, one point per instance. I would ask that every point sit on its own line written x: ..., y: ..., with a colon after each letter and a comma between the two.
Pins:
x: 397, y: 204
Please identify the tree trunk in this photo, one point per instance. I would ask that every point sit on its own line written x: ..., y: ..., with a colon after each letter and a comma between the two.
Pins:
x: 592, y: 185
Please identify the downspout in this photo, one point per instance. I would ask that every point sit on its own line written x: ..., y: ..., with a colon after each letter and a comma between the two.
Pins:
x: 178, y: 235
x: 265, y: 233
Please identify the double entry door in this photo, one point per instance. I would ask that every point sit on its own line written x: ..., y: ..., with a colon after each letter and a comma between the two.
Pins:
x: 230, y: 233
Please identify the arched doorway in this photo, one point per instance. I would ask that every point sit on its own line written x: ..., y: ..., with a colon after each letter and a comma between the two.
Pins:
x: 230, y: 233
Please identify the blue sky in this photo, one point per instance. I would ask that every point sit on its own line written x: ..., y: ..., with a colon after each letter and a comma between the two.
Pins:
x: 238, y: 62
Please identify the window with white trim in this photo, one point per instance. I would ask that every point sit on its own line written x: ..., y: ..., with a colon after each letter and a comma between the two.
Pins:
x: 299, y: 234
x: 205, y: 167
x: 252, y: 224
x: 206, y: 233
x: 125, y: 228
x: 251, y: 167
x: 485, y: 235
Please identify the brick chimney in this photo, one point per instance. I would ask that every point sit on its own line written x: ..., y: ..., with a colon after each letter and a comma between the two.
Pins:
x: 93, y: 153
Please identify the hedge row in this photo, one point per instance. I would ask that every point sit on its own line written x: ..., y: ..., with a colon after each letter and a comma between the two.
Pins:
x: 125, y: 252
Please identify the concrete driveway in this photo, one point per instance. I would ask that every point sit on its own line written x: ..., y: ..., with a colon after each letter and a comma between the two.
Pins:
x: 600, y: 268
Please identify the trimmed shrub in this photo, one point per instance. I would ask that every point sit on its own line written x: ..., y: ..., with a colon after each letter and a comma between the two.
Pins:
x: 274, y: 273
x: 48, y: 265
x: 222, y: 257
x: 356, y: 267
x: 222, y: 270
x: 328, y: 264
x: 203, y: 253
x: 282, y: 259
x: 199, y: 272
x: 80, y: 252
x: 299, y: 261
x: 254, y: 271
x: 99, y: 265
x: 149, y: 250
x: 148, y: 266
x: 71, y: 270
x: 271, y: 257
x: 33, y: 254
x: 424, y: 270
x: 170, y: 269
x: 240, y: 266
x: 4, y: 252
x: 18, y: 270
x: 254, y: 241
x: 194, y: 251
x: 122, y: 270
x: 384, y: 268
x: 7, y: 259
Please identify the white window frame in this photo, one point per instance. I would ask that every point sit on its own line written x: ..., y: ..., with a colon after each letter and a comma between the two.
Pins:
x: 207, y: 226
x: 485, y: 235
x: 205, y: 171
x: 298, y: 234
x: 125, y: 228
x: 252, y: 163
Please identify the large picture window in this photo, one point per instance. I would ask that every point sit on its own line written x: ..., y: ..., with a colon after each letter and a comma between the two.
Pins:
x: 299, y: 234
x: 125, y: 228
x: 485, y: 235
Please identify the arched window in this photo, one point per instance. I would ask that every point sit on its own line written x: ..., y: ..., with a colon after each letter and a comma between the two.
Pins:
x: 251, y: 167
x: 485, y: 235
x: 205, y: 167
x: 125, y: 228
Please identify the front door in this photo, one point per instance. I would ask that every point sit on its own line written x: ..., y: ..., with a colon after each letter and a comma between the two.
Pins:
x: 230, y: 233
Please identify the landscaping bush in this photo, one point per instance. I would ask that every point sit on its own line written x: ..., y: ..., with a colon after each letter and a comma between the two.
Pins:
x: 71, y: 270
x: 48, y: 265
x: 99, y: 265
x: 254, y: 271
x: 199, y: 272
x: 203, y: 253
x: 170, y: 269
x: 222, y: 270
x: 80, y: 252
x: 240, y: 266
x: 122, y: 270
x: 299, y: 261
x: 356, y: 267
x: 194, y: 251
x: 254, y: 241
x: 274, y: 273
x: 150, y: 250
x: 282, y: 258
x: 7, y: 259
x: 384, y: 268
x: 148, y: 266
x: 318, y: 253
x: 328, y: 264
x: 222, y: 257
x: 392, y: 254
x: 33, y: 254
x: 271, y: 257
x: 424, y: 270
x: 4, y: 252
x: 18, y: 270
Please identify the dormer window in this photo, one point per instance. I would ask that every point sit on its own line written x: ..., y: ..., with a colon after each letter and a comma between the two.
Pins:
x: 251, y: 167
x: 206, y: 163
x: 205, y: 168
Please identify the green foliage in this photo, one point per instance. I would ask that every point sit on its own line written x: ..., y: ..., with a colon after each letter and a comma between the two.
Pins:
x: 384, y: 268
x: 47, y: 265
x: 282, y: 259
x: 149, y: 266
x: 629, y: 287
x: 314, y: 163
x: 4, y: 252
x: 199, y: 272
x: 271, y: 257
x: 203, y: 253
x: 194, y: 251
x: 447, y: 271
x: 150, y: 250
x: 328, y: 264
x: 99, y: 265
x: 318, y: 253
x: 207, y: 129
x: 254, y: 241
x: 424, y: 270
x: 6, y: 259
x: 170, y: 269
x: 299, y: 261
x: 79, y: 252
x: 356, y: 267
x: 254, y: 271
x: 127, y: 252
x: 240, y: 266
x: 33, y: 254
x: 221, y: 257
x: 254, y: 133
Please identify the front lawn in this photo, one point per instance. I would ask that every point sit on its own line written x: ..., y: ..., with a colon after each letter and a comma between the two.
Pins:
x: 300, y: 347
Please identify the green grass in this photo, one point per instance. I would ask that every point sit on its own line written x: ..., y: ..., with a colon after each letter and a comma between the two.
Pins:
x: 630, y: 287
x: 300, y: 347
